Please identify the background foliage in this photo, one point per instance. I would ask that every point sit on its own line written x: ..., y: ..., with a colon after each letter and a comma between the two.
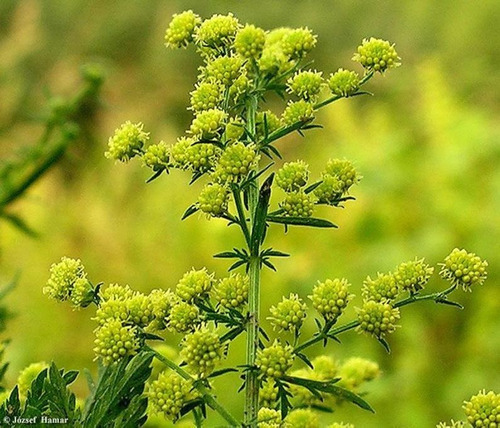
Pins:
x: 427, y: 145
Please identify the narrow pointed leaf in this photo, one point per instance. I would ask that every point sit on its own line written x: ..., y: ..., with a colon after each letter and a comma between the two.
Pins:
x: 301, y: 221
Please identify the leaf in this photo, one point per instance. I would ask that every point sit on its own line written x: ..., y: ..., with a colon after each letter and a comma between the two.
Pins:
x: 222, y: 372
x: 259, y: 225
x: 227, y: 255
x: 313, y: 186
x: 269, y: 264
x: 445, y: 301
x: 385, y: 344
x: 20, y: 224
x: 301, y: 221
x: 236, y: 265
x: 154, y: 176
x: 190, y: 211
x: 305, y: 359
x: 330, y: 388
x: 274, y: 253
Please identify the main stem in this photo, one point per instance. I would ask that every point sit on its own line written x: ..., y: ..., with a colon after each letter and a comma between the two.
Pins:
x: 252, y: 383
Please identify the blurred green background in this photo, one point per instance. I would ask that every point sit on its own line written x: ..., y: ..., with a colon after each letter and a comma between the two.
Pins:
x: 427, y: 145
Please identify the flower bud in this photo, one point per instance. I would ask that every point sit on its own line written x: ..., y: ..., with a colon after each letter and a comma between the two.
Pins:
x: 413, y: 275
x: 298, y: 111
x: 235, y: 129
x: 180, y: 30
x: 377, y: 318
x: 117, y: 292
x: 383, y: 287
x: 219, y: 30
x: 483, y: 409
x: 239, y: 87
x: 127, y: 142
x: 224, y: 70
x: 235, y: 162
x: 331, y: 297
x: 269, y: 418
x: 194, y: 284
x: 345, y: 172
x: 343, y: 82
x: 292, y: 176
x: 157, y: 156
x: 213, y: 199
x: 232, y: 292
x: 208, y: 124
x: 377, y: 55
x: 325, y: 367
x: 298, y: 204
x: 184, y: 317
x: 140, y: 310
x: 202, y: 350
x: 305, y: 84
x: 302, y: 418
x: 297, y: 43
x: 63, y: 276
x: 330, y: 190
x: 162, y: 302
x: 273, y: 61
x: 207, y: 95
x: 169, y: 394
x: 275, y: 360
x: 249, y: 41
x: 452, y: 424
x: 82, y: 293
x: 28, y: 375
x: 268, y: 393
x: 355, y: 371
x: 113, y: 341
x: 464, y: 269
x: 289, y: 314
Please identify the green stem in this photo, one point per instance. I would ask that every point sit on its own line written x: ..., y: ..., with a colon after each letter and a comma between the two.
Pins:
x: 328, y: 332
x: 252, y: 384
x: 202, y: 389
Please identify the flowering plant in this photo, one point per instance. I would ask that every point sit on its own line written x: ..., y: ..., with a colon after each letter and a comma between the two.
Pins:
x: 232, y: 144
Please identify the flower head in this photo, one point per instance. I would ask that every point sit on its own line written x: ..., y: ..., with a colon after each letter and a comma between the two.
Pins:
x: 127, y: 142
x: 217, y: 31
x: 483, y: 409
x: 202, y: 350
x: 343, y: 82
x: 298, y: 204
x: 169, y: 394
x: 63, y: 276
x: 297, y: 111
x: 213, y: 199
x: 289, y: 314
x: 413, y: 275
x: 249, y: 41
x: 331, y: 297
x: 208, y: 124
x: 157, y: 156
x: 305, y: 84
x: 275, y: 360
x: 114, y: 341
x: 377, y: 55
x: 235, y: 162
x: 297, y: 43
x: 194, y: 284
x: 464, y: 269
x: 180, y: 30
x: 383, y: 287
x: 232, y: 292
x: 292, y: 176
x: 302, y: 418
x: 377, y: 318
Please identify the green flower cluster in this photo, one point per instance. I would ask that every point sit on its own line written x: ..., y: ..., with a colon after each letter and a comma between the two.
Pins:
x: 236, y: 162
x: 114, y: 341
x: 274, y: 361
x: 344, y: 82
x: 382, y: 288
x: 377, y: 318
x: 295, y: 112
x: 169, y: 394
x: 195, y: 284
x: 330, y: 298
x: 269, y: 418
x: 157, y: 156
x: 289, y: 314
x: 306, y: 84
x: 180, y: 30
x: 413, y: 275
x: 292, y: 176
x: 302, y: 418
x: 232, y: 292
x: 28, y: 375
x: 201, y: 350
x: 68, y: 281
x: 377, y: 55
x: 250, y: 41
x: 213, y: 199
x: 483, y: 409
x: 298, y: 204
x: 339, y: 176
x: 355, y: 371
x: 127, y: 142
x: 464, y: 269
